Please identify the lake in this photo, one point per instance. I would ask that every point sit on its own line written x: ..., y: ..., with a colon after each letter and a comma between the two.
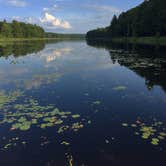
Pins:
x: 78, y: 103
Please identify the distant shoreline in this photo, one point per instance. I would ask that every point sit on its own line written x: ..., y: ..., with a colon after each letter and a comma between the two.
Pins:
x: 135, y: 40
x: 35, y: 39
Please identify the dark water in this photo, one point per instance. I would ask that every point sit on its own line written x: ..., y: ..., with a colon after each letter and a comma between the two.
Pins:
x: 111, y: 103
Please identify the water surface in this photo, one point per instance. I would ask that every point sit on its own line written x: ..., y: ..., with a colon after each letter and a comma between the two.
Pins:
x: 70, y: 103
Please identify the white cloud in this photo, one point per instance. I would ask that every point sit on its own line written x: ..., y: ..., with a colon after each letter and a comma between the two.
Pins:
x: 48, y: 22
x: 51, y: 22
x: 16, y: 3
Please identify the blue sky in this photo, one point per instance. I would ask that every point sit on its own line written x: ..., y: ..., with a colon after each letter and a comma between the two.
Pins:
x: 65, y: 16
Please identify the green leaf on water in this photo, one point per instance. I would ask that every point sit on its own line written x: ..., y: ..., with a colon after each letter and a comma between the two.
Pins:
x: 120, y: 88
x: 124, y: 124
x: 97, y: 102
x: 65, y: 143
x: 155, y: 141
x: 75, y: 116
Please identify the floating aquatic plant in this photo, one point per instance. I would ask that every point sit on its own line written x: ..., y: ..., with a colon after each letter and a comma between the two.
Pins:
x: 96, y: 102
x: 124, y: 124
x: 7, y: 146
x: 152, y: 132
x: 119, y: 88
x: 65, y: 143
x: 6, y: 98
x: 77, y: 126
x: 27, y: 112
x: 63, y: 128
x: 25, y: 126
x: 75, y: 116
x: 31, y: 113
x: 155, y: 141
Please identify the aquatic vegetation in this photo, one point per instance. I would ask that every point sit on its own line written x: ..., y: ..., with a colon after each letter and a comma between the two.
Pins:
x: 31, y: 113
x: 63, y: 128
x: 13, y: 142
x: 34, y: 121
x: 7, y: 146
x: 65, y: 143
x: 75, y: 116
x: 16, y: 126
x: 155, y: 141
x: 124, y: 124
x: 22, y: 119
x: 96, y: 102
x: 152, y: 132
x: 162, y: 134
x: 70, y: 160
x: 21, y: 114
x: 25, y: 126
x: 77, y: 126
x: 120, y: 88
x: 147, y: 131
x: 23, y: 142
x: 8, y: 98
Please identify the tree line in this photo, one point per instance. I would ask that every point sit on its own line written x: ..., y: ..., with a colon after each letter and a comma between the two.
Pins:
x: 63, y: 35
x: 147, y: 19
x: 17, y: 29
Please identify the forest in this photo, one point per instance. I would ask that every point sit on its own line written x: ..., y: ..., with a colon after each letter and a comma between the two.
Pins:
x: 147, y: 19
x: 17, y: 29
x: 64, y: 35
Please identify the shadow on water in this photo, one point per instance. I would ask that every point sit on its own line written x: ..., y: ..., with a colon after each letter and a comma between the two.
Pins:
x: 147, y: 61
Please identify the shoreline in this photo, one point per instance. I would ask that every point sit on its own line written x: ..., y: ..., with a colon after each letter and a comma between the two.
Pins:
x: 134, y: 40
x: 35, y: 39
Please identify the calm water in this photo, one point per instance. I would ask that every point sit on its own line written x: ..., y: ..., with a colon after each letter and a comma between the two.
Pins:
x: 70, y: 103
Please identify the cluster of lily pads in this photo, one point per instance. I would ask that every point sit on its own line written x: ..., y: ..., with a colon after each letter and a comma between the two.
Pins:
x: 20, y: 113
x: 5, y: 99
x: 31, y: 113
x: 154, y: 132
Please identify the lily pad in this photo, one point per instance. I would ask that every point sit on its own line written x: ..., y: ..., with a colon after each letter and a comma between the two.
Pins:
x: 75, y: 116
x: 97, y: 102
x: 124, y: 124
x: 65, y: 143
x: 120, y: 88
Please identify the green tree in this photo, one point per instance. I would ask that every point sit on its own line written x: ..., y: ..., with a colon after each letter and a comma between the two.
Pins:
x: 6, y: 30
x: 17, y: 30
